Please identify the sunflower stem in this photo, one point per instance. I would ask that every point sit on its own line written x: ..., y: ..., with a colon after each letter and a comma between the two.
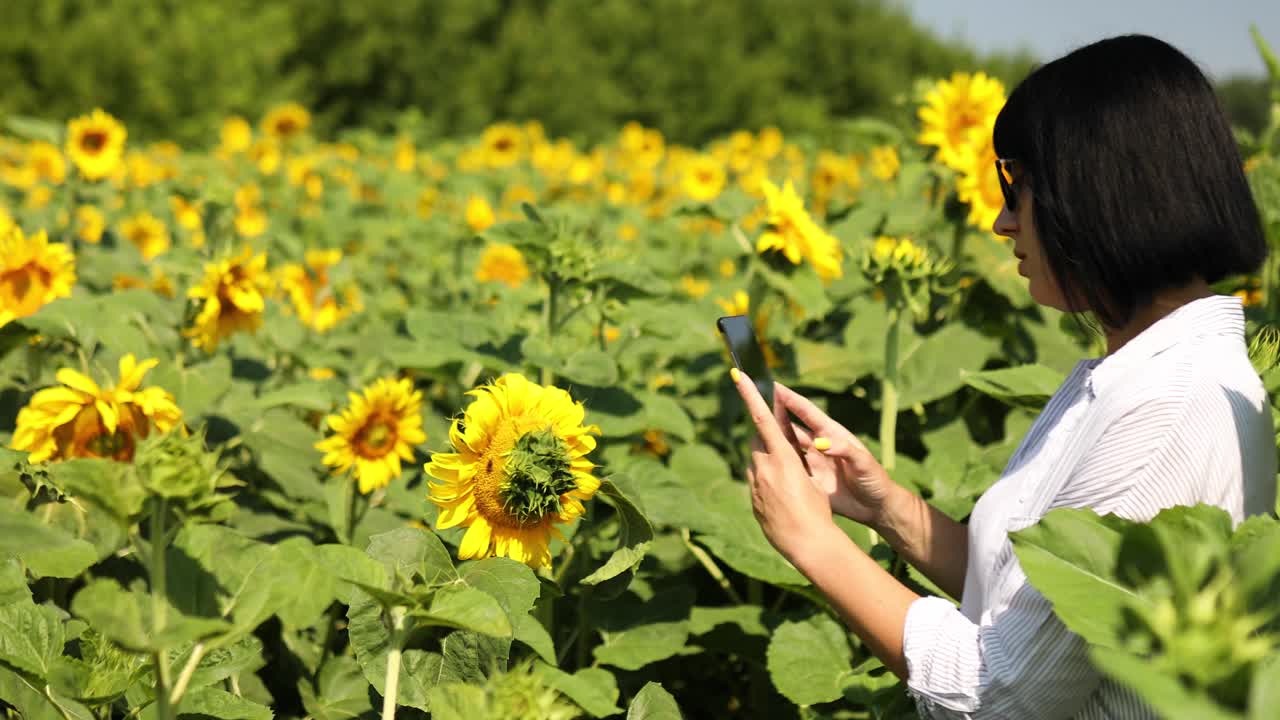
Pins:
x: 161, y: 655
x: 889, y: 389
x: 549, y: 320
x: 710, y: 566
x: 391, y: 687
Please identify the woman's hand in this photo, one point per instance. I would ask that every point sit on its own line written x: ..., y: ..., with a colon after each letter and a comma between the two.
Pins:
x: 793, y: 511
x: 855, y: 483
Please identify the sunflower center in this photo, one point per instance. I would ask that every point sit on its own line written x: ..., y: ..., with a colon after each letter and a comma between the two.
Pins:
x: 93, y: 141
x: 536, y: 475
x: 23, y: 288
x: 375, y: 438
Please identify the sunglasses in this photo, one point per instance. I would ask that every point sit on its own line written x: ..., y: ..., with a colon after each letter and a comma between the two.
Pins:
x: 1007, y: 184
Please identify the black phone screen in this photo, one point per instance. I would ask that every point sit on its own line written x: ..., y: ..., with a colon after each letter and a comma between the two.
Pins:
x: 746, y: 353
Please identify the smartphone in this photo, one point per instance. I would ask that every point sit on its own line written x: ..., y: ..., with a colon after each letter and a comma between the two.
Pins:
x: 746, y: 352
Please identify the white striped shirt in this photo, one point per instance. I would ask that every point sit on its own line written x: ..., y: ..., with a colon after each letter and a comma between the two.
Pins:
x: 1176, y: 416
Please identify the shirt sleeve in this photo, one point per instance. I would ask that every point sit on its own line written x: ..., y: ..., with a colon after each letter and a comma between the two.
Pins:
x: 1025, y: 663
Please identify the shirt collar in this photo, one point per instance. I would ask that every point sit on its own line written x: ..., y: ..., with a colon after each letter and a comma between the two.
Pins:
x: 1213, y: 315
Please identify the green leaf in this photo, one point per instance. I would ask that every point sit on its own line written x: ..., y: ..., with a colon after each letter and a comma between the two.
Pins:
x: 1264, y: 688
x: 308, y: 396
x: 349, y: 565
x: 458, y: 701
x: 32, y: 703
x: 935, y: 365
x: 110, y: 485
x: 1070, y: 557
x: 593, y: 689
x: 406, y: 550
x: 634, y: 536
x: 810, y: 661
x: 371, y: 643
x: 126, y: 618
x: 285, y: 449
x: 590, y: 366
x: 216, y: 703
x: 31, y: 637
x: 1164, y: 693
x: 1027, y: 386
x: 196, y: 388
x: 245, y: 655
x: 666, y: 414
x: 343, y: 692
x: 47, y: 551
x: 255, y: 580
x: 637, y: 630
x: 635, y: 276
x: 653, y: 702
x: 465, y: 608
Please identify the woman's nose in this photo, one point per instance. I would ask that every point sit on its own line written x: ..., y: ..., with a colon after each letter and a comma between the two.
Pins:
x: 1006, y: 222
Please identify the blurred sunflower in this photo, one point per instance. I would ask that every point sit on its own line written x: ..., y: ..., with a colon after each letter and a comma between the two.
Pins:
x: 90, y: 222
x: 186, y: 213
x: 234, y: 292
x: 313, y: 296
x: 479, y: 214
x: 95, y: 143
x: 33, y: 272
x: 47, y: 161
x: 519, y: 469
x: 978, y: 184
x: 694, y: 287
x: 286, y: 121
x: 793, y: 233
x: 952, y: 108
x: 147, y: 233
x: 885, y: 162
x: 703, y: 178
x: 502, y: 144
x: 236, y: 134
x: 377, y: 429
x: 83, y: 419
x: 502, y: 263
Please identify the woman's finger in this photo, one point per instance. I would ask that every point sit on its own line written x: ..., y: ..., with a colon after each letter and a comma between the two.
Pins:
x: 761, y: 414
x: 803, y: 407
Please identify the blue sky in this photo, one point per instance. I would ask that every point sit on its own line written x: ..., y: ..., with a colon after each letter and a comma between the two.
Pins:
x: 1214, y: 34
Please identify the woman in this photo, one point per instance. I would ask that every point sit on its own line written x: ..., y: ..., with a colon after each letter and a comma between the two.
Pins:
x: 1124, y: 198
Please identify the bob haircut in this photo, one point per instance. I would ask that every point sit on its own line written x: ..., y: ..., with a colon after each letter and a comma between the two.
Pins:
x: 1136, y: 179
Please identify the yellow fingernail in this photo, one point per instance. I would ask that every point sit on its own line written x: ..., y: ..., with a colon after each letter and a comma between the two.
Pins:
x: 734, y: 374
x: 821, y: 444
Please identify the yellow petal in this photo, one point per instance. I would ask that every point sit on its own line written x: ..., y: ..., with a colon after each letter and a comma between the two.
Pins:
x: 77, y: 381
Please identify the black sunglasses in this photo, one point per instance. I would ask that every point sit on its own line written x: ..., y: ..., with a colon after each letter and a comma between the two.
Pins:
x: 1007, y: 183
x: 1008, y: 186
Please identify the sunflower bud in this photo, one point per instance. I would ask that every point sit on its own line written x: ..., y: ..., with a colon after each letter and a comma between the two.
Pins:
x: 177, y: 468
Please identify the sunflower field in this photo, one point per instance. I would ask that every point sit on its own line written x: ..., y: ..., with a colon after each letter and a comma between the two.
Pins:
x: 392, y: 424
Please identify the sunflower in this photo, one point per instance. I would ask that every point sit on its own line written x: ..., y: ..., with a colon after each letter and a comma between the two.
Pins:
x: 286, y: 121
x: 82, y: 419
x: 186, y: 213
x: 978, y: 184
x: 885, y: 162
x: 502, y: 145
x: 703, y: 178
x: 236, y: 134
x: 695, y: 287
x: 234, y: 292
x: 311, y: 292
x: 519, y: 469
x: 95, y: 143
x: 377, y: 429
x: 47, y: 161
x: 90, y: 222
x: 502, y: 263
x: 33, y: 272
x: 147, y: 233
x: 955, y: 107
x: 796, y: 235
x: 479, y: 214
